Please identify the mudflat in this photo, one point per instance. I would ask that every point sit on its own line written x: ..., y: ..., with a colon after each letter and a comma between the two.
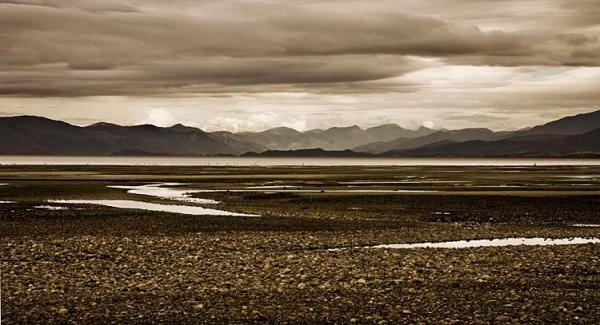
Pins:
x: 307, y: 257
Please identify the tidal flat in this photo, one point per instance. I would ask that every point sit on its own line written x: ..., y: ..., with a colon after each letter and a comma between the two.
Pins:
x: 306, y: 256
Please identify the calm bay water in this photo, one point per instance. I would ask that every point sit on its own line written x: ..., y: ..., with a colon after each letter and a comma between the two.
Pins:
x: 253, y: 161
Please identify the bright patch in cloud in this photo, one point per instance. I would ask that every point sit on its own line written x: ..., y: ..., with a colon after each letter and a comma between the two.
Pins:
x: 256, y: 122
x: 429, y: 124
x: 159, y: 117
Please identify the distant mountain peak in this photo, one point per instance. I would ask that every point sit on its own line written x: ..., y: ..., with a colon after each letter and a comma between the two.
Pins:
x: 36, y: 135
x: 36, y: 120
x: 387, y: 126
x: 570, y: 125
x: 182, y: 128
x: 102, y: 125
x: 26, y: 117
x: 281, y: 130
x: 469, y: 130
x: 350, y: 127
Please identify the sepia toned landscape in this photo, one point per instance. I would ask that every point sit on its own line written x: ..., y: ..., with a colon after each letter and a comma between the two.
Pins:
x: 299, y: 162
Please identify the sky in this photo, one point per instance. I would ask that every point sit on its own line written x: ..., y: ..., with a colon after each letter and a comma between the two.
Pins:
x: 249, y: 65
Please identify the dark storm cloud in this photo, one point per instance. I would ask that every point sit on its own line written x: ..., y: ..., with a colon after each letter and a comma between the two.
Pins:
x: 86, y: 48
x: 210, y: 75
x: 89, y: 5
x: 583, y: 12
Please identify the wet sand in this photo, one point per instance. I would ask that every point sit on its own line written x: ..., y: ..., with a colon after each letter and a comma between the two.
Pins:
x: 99, y: 264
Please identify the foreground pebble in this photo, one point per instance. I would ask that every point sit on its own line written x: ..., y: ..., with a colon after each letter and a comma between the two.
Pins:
x: 263, y: 277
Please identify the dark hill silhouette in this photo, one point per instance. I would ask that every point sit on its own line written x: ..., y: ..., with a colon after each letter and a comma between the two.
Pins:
x: 574, y: 135
x: 389, y: 132
x: 570, y: 125
x: 36, y: 135
x: 308, y: 153
x: 547, y: 145
x: 439, y: 136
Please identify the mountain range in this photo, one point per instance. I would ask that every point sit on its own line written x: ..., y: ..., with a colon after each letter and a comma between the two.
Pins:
x: 41, y: 136
x: 577, y: 135
x: 335, y: 138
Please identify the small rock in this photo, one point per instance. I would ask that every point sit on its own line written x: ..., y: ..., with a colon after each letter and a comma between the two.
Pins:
x: 502, y: 318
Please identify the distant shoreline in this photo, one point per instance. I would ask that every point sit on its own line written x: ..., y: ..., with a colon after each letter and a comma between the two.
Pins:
x: 36, y: 160
x: 590, y: 156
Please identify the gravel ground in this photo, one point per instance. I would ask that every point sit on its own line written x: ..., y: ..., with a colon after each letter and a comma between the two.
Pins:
x: 264, y: 277
x: 91, y: 264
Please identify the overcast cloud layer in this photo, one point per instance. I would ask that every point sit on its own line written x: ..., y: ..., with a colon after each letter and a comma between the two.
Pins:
x: 251, y: 65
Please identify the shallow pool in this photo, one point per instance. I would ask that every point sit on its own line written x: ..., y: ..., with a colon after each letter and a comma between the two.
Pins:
x: 182, y: 209
x: 537, y: 241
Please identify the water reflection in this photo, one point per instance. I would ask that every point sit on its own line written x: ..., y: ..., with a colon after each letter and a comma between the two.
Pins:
x: 159, y: 190
x: 50, y: 207
x: 538, y: 241
x: 182, y: 209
